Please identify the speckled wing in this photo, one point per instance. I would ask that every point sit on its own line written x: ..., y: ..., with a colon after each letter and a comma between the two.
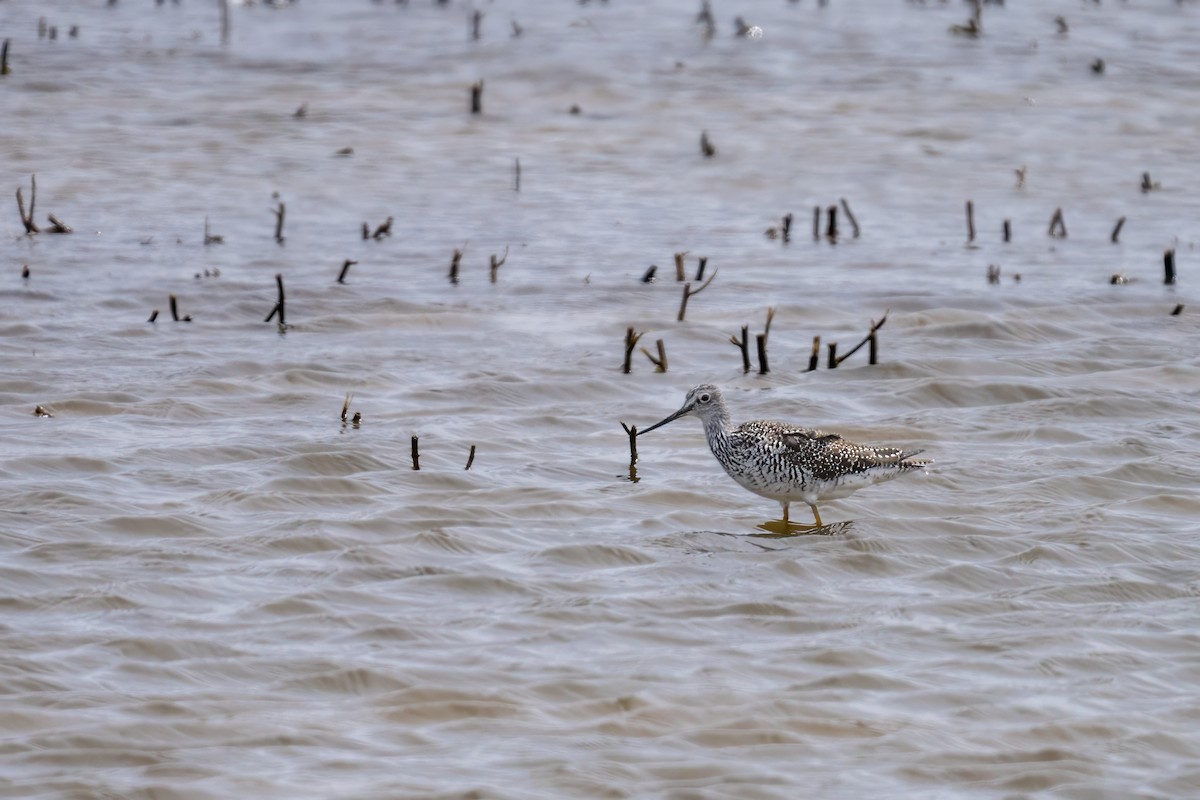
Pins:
x: 828, y: 456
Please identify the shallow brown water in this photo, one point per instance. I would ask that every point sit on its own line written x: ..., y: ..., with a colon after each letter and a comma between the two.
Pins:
x: 212, y: 588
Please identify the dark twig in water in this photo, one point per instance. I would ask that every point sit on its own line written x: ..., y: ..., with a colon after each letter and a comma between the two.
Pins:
x: 706, y: 16
x: 4, y: 69
x: 786, y: 228
x: 688, y: 292
x: 210, y: 237
x: 970, y: 221
x: 470, y: 458
x: 1169, y: 266
x: 706, y: 145
x: 869, y: 339
x: 366, y: 231
x: 854, y: 229
x: 1177, y: 310
x: 831, y: 228
x: 174, y: 303
x: 1007, y: 230
x: 57, y: 225
x: 1149, y: 185
x: 517, y: 174
x: 993, y: 274
x: 680, y: 275
x: 761, y: 343
x: 477, y: 97
x: 27, y: 218
x: 346, y: 265
x: 279, y: 305
x: 743, y: 344
x: 660, y: 363
x: 1058, y: 228
x: 40, y: 411
x: 476, y: 21
x: 1116, y: 233
x: 701, y: 267
x: 153, y: 315
x: 632, y: 432
x: 384, y: 229
x: 454, y: 259
x: 279, y: 215
x: 814, y: 360
x: 832, y: 361
x: 346, y: 406
x: 416, y: 455
x: 495, y: 264
x: 816, y: 222
x: 648, y: 275
x: 631, y: 340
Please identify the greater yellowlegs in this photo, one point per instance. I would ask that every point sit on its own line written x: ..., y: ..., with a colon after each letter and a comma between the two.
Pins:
x: 786, y: 462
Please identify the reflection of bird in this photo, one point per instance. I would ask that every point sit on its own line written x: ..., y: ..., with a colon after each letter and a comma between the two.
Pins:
x: 785, y: 462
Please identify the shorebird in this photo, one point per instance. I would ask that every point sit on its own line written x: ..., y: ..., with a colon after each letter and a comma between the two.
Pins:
x: 786, y: 462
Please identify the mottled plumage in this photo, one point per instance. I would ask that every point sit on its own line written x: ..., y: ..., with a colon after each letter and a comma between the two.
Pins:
x: 786, y: 462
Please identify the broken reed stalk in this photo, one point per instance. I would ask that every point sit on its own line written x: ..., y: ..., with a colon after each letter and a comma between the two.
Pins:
x: 700, y: 268
x: 833, y: 359
x: 27, y: 219
x: 814, y: 360
x: 477, y: 97
x: 210, y: 237
x: 1058, y: 228
x: 4, y: 70
x: 366, y: 231
x: 869, y: 339
x: 631, y: 340
x: 787, y: 228
x: 496, y: 264
x: 688, y: 292
x: 1175, y: 312
x: 632, y: 432
x: 1169, y: 267
x: 855, y: 230
x: 648, y: 276
x: 279, y: 214
x: 1116, y: 233
x: 153, y: 315
x: 831, y: 230
x: 346, y: 265
x: 470, y: 458
x: 873, y: 349
x: 174, y: 308
x: 680, y: 277
x: 970, y: 221
x: 816, y: 222
x: 660, y: 363
x: 346, y: 406
x: 57, y: 225
x: 279, y: 305
x: 384, y: 229
x: 416, y: 455
x: 454, y: 265
x: 1008, y: 230
x: 744, y: 345
x: 761, y: 342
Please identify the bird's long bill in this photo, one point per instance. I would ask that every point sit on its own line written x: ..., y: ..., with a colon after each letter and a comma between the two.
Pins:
x: 672, y: 418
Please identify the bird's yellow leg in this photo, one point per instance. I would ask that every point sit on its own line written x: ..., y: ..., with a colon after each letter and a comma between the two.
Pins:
x: 785, y: 514
x: 816, y: 515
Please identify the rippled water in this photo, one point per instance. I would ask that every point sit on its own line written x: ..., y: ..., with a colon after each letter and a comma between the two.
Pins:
x: 213, y: 588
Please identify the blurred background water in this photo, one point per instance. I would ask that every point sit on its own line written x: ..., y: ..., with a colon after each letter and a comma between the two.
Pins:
x: 213, y: 588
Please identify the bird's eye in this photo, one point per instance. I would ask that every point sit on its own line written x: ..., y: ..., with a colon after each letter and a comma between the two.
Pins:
x: 704, y: 398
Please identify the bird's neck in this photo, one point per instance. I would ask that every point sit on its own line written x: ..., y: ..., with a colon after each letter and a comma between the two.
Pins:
x: 716, y: 424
